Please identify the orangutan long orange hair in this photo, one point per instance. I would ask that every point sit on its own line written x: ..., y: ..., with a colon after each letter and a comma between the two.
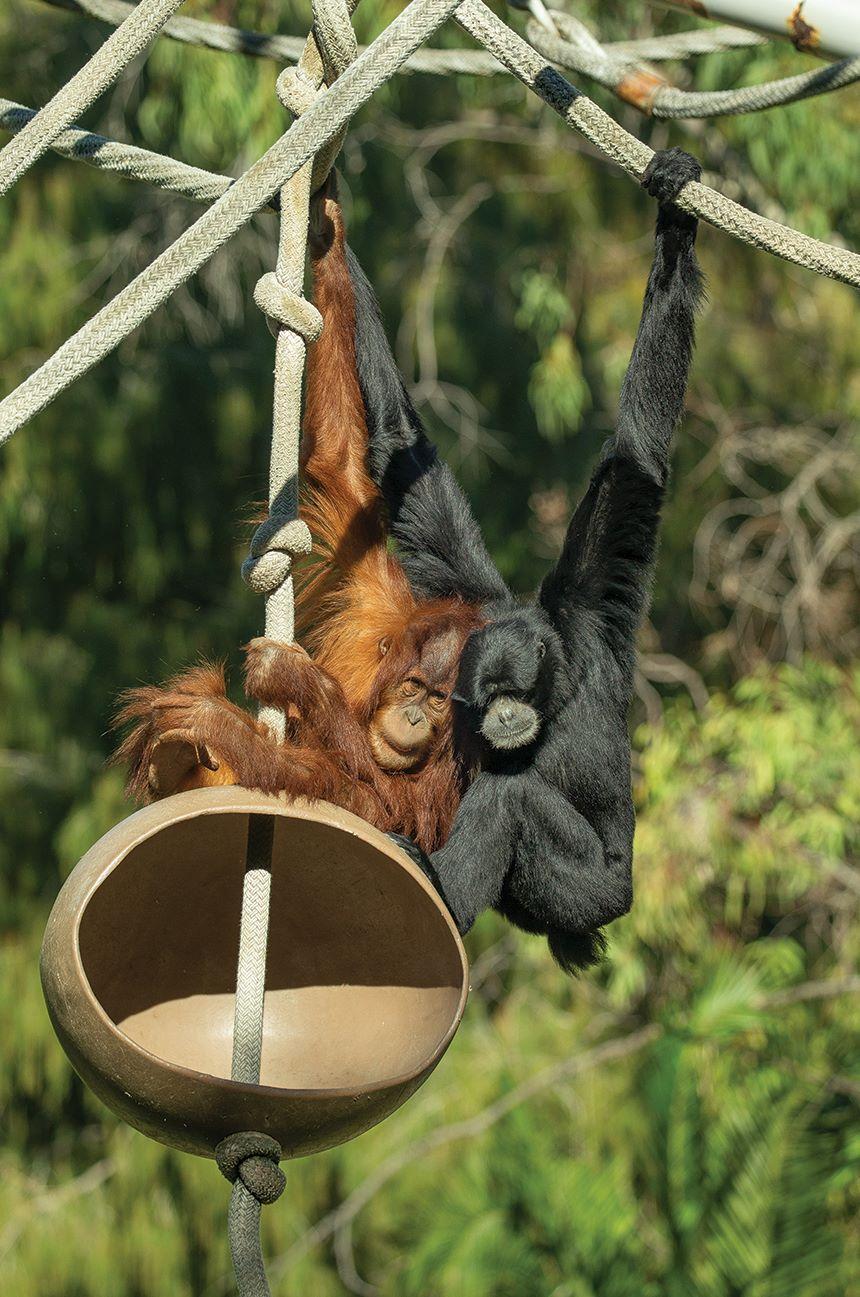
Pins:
x: 370, y: 717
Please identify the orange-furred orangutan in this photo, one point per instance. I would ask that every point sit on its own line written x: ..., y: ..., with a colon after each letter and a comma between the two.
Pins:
x: 370, y: 718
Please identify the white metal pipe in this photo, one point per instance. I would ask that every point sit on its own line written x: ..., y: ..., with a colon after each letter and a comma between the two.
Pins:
x: 828, y: 27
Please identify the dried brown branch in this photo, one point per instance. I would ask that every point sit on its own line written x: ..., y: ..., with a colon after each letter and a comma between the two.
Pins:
x: 784, y: 560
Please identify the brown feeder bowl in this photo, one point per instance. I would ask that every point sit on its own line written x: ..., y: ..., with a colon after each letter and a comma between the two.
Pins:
x: 366, y: 978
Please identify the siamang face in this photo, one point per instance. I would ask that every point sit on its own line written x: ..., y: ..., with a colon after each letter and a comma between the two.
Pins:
x: 512, y: 676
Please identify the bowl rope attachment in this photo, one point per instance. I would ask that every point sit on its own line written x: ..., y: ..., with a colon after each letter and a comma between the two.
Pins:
x: 250, y: 1159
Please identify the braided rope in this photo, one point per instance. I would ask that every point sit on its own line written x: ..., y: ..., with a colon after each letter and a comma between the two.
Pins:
x: 138, y: 31
x: 123, y: 159
x: 582, y: 114
x: 251, y: 1160
x: 282, y: 536
x: 287, y: 49
x: 137, y: 301
x: 284, y: 49
x: 321, y: 123
x: 572, y: 45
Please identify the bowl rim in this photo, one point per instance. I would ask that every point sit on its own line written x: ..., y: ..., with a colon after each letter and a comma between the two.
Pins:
x: 231, y: 799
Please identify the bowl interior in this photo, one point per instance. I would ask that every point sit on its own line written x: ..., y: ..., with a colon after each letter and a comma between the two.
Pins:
x: 364, y: 977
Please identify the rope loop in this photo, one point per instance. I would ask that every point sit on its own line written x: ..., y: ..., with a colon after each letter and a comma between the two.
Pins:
x: 253, y: 1158
x: 284, y: 308
x: 274, y: 546
x: 295, y: 90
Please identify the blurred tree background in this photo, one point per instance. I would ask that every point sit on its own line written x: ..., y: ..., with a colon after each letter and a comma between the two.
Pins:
x: 683, y: 1120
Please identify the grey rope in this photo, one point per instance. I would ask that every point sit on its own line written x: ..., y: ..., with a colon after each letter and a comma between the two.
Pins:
x: 139, y: 29
x: 249, y: 1161
x: 284, y: 49
x: 326, y: 116
x: 137, y: 301
x: 287, y: 49
x: 572, y: 45
x: 123, y: 159
x: 580, y: 113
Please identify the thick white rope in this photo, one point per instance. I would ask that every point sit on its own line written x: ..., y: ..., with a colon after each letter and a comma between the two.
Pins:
x: 123, y: 159
x: 321, y: 123
x: 135, y: 303
x: 139, y: 29
x: 581, y: 114
x: 295, y: 321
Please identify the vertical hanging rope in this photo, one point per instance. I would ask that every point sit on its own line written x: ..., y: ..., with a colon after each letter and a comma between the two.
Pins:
x: 268, y: 569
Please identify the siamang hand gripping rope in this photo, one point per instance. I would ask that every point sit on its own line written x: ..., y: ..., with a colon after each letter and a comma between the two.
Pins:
x: 545, y: 832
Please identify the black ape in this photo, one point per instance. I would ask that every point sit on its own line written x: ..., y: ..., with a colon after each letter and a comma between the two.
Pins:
x: 545, y: 832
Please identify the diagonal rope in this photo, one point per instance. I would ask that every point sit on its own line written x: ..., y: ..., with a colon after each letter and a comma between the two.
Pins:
x: 582, y: 114
x: 137, y: 301
x: 321, y: 124
x: 123, y: 159
x: 287, y: 49
x: 136, y: 33
x: 571, y: 45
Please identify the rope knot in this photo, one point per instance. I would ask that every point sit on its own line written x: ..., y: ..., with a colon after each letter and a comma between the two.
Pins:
x: 274, y: 545
x: 282, y: 307
x: 295, y: 90
x: 252, y: 1158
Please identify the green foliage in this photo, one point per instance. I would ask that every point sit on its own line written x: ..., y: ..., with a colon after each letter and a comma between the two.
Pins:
x: 719, y: 1156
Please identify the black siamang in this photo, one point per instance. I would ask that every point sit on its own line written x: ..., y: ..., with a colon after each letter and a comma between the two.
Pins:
x: 545, y: 831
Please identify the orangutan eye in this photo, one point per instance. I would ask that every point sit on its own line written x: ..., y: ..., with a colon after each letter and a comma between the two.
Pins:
x: 541, y: 649
x: 384, y: 646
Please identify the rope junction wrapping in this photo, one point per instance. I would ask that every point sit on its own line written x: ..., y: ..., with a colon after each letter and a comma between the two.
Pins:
x: 571, y: 45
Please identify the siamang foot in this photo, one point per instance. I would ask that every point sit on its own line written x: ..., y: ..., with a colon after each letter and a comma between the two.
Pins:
x: 668, y: 172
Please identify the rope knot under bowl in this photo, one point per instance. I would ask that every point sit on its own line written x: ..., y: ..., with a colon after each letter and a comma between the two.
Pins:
x: 252, y: 1158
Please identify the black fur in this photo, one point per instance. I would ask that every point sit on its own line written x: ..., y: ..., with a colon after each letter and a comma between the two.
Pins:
x: 545, y: 832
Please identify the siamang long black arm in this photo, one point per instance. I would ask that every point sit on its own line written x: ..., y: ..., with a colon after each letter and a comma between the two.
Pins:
x: 605, y: 565
x: 440, y: 543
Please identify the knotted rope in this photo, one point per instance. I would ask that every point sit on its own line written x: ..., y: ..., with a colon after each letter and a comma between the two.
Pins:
x: 248, y: 1159
x: 567, y: 41
x: 294, y: 321
x: 250, y: 1162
